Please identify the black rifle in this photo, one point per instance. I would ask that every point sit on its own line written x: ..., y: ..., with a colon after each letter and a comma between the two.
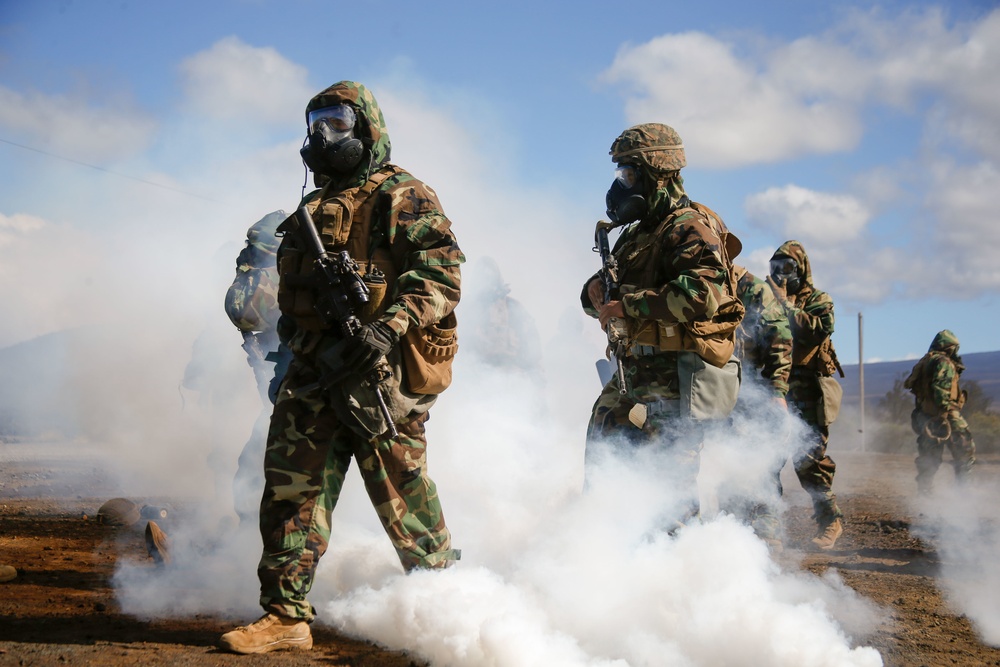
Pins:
x: 608, y: 274
x: 341, y: 291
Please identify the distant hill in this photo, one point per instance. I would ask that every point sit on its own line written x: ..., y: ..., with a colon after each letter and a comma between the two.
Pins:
x: 983, y: 367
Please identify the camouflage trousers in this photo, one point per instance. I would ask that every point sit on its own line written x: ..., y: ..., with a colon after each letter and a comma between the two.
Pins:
x: 308, y: 454
x: 653, y: 382
x: 814, y: 468
x: 930, y: 449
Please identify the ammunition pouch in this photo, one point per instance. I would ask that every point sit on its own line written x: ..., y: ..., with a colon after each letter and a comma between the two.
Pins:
x: 707, y: 391
x: 428, y: 354
x: 831, y: 396
x: 714, y: 340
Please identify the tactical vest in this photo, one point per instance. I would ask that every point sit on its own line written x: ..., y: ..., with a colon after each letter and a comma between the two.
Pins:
x: 714, y: 339
x: 344, y: 222
x: 919, y: 384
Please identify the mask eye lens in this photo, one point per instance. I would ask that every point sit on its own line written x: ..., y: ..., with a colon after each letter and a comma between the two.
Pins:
x: 627, y: 175
x: 340, y: 117
x: 784, y: 266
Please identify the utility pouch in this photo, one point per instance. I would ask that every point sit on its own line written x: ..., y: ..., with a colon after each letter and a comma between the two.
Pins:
x: 428, y: 354
x: 377, y: 287
x: 707, y: 391
x: 831, y: 394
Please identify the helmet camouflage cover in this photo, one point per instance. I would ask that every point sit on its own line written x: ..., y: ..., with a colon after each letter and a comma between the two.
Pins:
x: 655, y: 145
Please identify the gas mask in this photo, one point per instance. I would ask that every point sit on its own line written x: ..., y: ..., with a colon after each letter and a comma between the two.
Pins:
x: 331, y: 148
x: 626, y: 200
x: 785, y: 273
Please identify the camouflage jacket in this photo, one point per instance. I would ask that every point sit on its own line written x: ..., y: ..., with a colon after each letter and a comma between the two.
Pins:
x: 810, y: 314
x: 934, y: 379
x: 405, y: 226
x: 934, y: 383
x: 764, y: 337
x: 691, y: 277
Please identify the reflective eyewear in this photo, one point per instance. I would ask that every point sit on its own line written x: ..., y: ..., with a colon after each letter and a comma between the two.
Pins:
x: 341, y: 118
x: 627, y: 175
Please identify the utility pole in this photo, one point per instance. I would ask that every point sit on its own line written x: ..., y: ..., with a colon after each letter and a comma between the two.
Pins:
x: 861, y: 374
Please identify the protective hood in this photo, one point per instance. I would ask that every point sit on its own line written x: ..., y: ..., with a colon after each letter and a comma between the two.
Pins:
x: 668, y: 195
x: 371, y: 130
x: 795, y: 250
x: 944, y: 340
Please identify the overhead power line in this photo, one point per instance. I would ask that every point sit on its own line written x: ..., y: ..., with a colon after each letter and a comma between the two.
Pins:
x: 107, y: 171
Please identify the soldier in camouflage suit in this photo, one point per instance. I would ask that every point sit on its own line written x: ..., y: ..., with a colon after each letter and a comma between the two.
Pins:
x: 394, y: 227
x: 678, y: 301
x: 812, y: 390
x: 252, y: 306
x: 764, y: 346
x: 937, y: 416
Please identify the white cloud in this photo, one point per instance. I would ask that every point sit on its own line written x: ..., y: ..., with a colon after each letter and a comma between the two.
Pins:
x: 233, y: 80
x: 730, y: 112
x: 795, y: 212
x: 807, y: 97
x: 73, y: 126
x: 17, y: 225
x: 965, y: 199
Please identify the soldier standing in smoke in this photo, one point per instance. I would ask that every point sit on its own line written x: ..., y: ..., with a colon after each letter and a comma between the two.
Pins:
x: 252, y: 306
x: 813, y: 391
x: 764, y: 346
x: 937, y: 416
x: 390, y: 226
x: 677, y: 298
x: 503, y: 333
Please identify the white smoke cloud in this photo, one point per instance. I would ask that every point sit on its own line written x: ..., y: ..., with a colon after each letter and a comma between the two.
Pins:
x: 549, y: 576
x: 964, y: 524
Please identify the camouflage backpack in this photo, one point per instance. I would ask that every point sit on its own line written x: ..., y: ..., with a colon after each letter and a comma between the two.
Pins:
x: 252, y: 299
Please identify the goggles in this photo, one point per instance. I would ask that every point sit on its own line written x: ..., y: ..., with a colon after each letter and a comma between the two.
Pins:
x: 784, y: 266
x: 627, y: 175
x: 341, y: 118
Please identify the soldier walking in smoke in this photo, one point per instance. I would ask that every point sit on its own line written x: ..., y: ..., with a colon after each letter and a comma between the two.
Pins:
x: 369, y: 279
x: 764, y: 346
x: 813, y: 391
x: 676, y: 298
x: 252, y: 306
x: 937, y: 416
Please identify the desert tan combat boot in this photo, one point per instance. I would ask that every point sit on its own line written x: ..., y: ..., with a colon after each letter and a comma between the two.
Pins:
x: 828, y: 536
x: 268, y: 633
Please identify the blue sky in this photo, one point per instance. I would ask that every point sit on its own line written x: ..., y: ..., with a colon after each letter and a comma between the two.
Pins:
x: 139, y: 139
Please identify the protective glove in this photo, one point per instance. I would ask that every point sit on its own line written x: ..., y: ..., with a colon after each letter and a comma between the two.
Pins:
x: 780, y: 292
x: 362, y: 352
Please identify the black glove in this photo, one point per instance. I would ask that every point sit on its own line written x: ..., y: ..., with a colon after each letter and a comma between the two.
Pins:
x: 362, y: 352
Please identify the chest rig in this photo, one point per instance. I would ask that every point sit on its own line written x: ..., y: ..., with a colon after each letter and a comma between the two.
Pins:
x: 345, y: 221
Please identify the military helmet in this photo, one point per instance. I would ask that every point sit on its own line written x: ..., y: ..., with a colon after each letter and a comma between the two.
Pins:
x: 655, y: 145
x: 118, y: 512
x: 261, y: 233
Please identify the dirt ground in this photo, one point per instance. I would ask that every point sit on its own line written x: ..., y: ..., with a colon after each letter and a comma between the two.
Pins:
x: 61, y: 608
